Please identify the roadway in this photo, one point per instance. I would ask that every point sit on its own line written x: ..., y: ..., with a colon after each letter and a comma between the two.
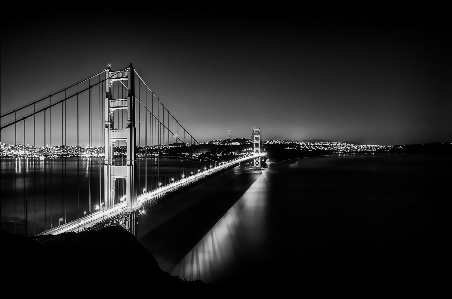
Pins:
x: 154, y: 195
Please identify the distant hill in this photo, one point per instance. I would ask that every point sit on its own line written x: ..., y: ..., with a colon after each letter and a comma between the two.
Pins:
x: 317, y: 140
x: 324, y: 140
x: 433, y: 147
x: 353, y: 142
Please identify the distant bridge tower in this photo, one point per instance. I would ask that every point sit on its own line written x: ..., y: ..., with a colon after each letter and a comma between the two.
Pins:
x: 115, y: 134
x: 256, y: 137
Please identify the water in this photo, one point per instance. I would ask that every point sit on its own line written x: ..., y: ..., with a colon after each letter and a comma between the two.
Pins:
x: 239, y: 236
x: 312, y: 218
x: 378, y: 215
x: 54, y: 191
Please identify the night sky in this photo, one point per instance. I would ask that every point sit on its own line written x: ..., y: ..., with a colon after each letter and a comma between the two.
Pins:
x: 373, y: 72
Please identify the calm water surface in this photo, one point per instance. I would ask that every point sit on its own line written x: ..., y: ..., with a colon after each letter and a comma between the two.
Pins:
x: 301, y: 218
x: 55, y: 189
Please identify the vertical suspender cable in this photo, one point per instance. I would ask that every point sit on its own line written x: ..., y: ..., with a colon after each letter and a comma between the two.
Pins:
x: 78, y: 163
x: 98, y: 144
x: 50, y: 125
x: 45, y: 174
x: 34, y: 170
x: 139, y: 134
x: 168, y: 139
x: 89, y: 144
x: 146, y: 143
x: 168, y: 127
x: 50, y: 143
x: 25, y: 200
x: 102, y: 101
x: 152, y: 138
x: 163, y: 130
x: 139, y: 116
x: 158, y: 138
x: 66, y: 151
x: 15, y: 175
x: 61, y: 158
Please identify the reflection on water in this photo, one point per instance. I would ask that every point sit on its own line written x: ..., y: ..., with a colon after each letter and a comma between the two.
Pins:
x: 240, y: 230
x: 36, y: 193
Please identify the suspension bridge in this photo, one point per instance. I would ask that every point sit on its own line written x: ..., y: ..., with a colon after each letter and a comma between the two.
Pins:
x: 101, y: 145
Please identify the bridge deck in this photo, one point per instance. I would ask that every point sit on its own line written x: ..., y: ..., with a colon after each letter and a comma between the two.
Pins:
x: 98, y: 216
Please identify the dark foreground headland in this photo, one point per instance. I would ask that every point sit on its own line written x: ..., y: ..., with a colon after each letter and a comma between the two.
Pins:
x: 111, y: 260
x: 110, y: 257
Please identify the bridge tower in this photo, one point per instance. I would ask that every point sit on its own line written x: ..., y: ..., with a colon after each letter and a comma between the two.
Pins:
x: 256, y: 137
x: 114, y: 134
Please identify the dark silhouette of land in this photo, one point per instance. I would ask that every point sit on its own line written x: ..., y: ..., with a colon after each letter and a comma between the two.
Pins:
x: 97, y: 257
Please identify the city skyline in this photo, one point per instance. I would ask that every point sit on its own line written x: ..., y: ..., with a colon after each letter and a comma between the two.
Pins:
x: 338, y: 71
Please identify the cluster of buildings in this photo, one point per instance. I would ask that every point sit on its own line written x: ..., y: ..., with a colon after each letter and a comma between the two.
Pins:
x: 235, y: 141
x: 30, y: 151
x: 338, y: 147
x: 237, y: 146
